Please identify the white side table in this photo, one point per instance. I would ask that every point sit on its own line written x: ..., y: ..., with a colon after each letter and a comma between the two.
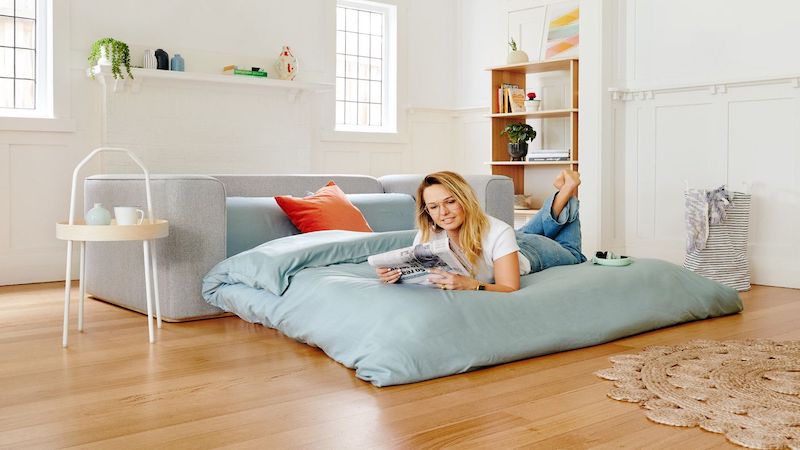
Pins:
x: 149, y: 230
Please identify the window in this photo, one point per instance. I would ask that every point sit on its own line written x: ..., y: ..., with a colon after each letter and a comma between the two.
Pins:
x: 365, y: 73
x: 23, y: 58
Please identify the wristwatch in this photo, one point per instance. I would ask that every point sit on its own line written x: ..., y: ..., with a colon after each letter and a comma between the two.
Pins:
x: 480, y: 287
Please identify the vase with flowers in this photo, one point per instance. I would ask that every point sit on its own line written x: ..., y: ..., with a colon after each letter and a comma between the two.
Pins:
x: 532, y: 103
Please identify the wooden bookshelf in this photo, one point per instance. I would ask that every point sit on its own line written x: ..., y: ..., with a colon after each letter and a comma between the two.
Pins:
x: 515, y: 74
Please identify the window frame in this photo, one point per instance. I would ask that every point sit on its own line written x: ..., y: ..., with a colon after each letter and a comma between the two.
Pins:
x: 44, y: 67
x: 389, y: 68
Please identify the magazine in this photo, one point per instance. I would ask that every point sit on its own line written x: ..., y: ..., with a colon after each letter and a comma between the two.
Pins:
x: 415, y: 261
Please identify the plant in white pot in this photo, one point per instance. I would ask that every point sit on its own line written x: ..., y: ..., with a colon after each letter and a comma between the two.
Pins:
x: 519, y: 133
x: 515, y: 56
x: 532, y: 103
x: 109, y: 51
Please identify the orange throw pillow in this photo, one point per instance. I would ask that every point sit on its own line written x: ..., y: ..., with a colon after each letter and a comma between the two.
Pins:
x: 327, y: 209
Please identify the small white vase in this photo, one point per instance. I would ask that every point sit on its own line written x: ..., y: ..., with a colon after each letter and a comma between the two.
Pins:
x: 97, y: 216
x: 286, y: 64
x: 149, y: 61
x: 516, y: 57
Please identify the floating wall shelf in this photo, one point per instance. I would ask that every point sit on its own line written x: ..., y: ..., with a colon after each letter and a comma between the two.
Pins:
x: 145, y: 76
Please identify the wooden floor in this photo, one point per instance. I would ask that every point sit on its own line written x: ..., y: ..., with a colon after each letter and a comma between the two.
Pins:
x: 228, y: 383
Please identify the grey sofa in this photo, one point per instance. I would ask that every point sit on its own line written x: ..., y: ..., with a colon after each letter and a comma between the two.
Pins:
x: 197, y: 208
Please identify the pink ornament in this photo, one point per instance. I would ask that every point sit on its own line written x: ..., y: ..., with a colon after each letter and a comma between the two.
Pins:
x: 286, y: 64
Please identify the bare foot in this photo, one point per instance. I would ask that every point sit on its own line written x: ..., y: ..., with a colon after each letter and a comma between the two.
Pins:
x: 559, y: 181
x: 572, y: 180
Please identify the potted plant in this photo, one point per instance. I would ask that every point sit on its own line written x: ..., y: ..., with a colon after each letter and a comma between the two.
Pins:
x: 519, y: 133
x: 532, y: 103
x: 109, y: 51
x: 515, y: 56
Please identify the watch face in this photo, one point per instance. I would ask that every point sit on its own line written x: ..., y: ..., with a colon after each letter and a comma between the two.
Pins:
x: 481, y: 287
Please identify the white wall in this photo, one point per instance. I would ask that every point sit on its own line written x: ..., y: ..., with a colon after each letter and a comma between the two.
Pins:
x: 715, y: 98
x: 178, y: 127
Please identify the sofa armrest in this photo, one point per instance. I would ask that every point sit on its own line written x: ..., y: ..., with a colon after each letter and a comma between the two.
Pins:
x: 495, y: 192
x: 195, y: 208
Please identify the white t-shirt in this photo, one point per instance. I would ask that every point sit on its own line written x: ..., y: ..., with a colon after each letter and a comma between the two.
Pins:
x: 498, y: 241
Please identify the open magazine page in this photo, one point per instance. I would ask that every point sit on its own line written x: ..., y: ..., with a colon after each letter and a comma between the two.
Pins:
x: 415, y: 261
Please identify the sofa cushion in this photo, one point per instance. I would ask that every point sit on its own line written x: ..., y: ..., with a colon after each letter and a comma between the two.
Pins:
x: 327, y: 209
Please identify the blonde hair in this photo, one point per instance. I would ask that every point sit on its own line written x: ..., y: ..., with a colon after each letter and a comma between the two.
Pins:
x: 475, y: 220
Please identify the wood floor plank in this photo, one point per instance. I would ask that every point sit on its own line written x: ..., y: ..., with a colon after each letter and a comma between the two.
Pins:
x: 224, y: 383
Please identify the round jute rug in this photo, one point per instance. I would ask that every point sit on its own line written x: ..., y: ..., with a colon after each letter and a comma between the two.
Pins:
x: 747, y: 390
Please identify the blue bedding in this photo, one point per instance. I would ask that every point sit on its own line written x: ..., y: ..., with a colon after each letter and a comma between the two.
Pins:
x: 317, y: 289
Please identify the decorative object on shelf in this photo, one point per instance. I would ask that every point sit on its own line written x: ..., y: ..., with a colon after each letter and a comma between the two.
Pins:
x: 515, y: 56
x: 162, y: 58
x: 532, y: 104
x: 177, y: 63
x: 128, y: 215
x: 286, y: 64
x: 97, y: 216
x: 149, y: 60
x: 524, y: 201
x: 563, y: 20
x: 519, y: 133
x: 109, y: 51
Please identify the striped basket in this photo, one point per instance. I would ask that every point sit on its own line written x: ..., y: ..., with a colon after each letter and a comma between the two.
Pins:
x: 724, y: 259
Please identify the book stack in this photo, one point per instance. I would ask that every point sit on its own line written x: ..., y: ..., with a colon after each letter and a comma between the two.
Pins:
x: 548, y: 155
x: 233, y: 70
x: 510, y: 98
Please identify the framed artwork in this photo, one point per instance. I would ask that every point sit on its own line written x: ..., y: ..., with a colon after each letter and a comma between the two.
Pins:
x: 562, y: 34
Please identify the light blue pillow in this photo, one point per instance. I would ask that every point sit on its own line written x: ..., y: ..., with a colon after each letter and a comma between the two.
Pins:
x: 291, y: 254
x: 253, y: 221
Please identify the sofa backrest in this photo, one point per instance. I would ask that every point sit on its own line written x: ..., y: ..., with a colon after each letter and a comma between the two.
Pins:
x: 295, y: 185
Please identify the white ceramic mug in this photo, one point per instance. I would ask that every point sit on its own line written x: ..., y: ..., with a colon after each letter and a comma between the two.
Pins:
x: 128, y: 215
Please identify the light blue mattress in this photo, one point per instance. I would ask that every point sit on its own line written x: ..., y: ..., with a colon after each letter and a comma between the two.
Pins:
x: 395, y: 334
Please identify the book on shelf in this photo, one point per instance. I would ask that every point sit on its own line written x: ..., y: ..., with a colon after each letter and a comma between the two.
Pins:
x: 516, y: 100
x: 547, y: 158
x: 549, y: 155
x: 233, y: 70
x: 504, y: 98
x: 414, y: 261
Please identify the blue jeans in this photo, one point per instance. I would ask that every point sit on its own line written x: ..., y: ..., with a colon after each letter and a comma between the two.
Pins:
x: 547, y: 241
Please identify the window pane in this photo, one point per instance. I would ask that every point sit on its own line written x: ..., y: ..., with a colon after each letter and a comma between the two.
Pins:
x: 375, y: 91
x: 377, y: 23
x: 363, y: 91
x: 351, y: 44
x: 340, y: 18
x: 25, y: 33
x: 375, y: 69
x: 363, y: 68
x: 6, y: 93
x: 350, y: 110
x: 375, y: 115
x: 7, y: 7
x: 376, y: 49
x: 6, y: 62
x: 351, y: 20
x: 7, y: 31
x: 363, y: 45
x: 26, y: 8
x: 350, y: 66
x: 363, y: 22
x: 25, y: 63
x: 350, y: 89
x: 340, y: 42
x: 339, y: 65
x: 26, y: 91
x: 339, y: 112
x: 339, y: 88
x: 363, y: 113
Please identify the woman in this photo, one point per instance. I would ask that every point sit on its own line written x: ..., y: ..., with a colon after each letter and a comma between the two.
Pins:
x: 448, y: 207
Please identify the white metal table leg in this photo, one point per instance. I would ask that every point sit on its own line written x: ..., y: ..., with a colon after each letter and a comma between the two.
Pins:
x: 155, y: 283
x: 67, y: 287
x: 147, y: 288
x: 82, y: 284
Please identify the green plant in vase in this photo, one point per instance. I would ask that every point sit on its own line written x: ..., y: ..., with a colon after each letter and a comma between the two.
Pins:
x: 519, y: 133
x: 117, y: 52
